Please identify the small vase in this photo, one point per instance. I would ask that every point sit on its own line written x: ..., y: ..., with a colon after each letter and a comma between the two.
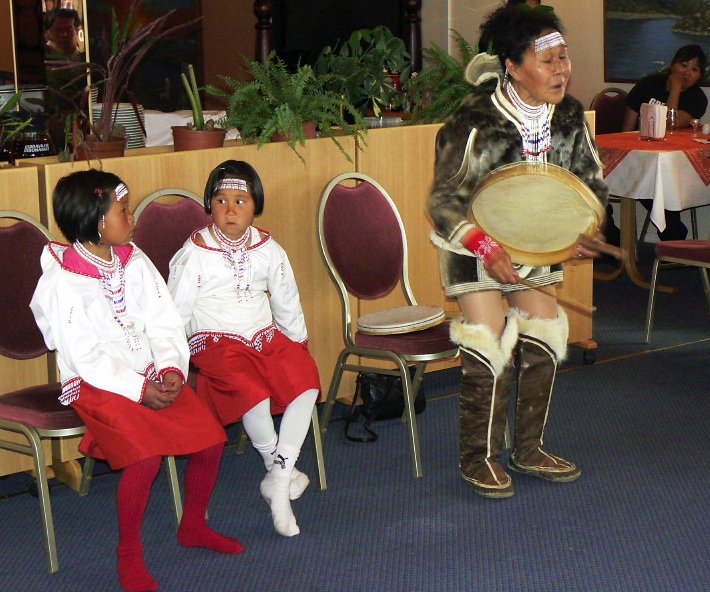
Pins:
x: 92, y: 149
x: 309, y: 130
x: 188, y: 139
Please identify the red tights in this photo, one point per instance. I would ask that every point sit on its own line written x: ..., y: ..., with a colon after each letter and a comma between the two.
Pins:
x: 132, y: 498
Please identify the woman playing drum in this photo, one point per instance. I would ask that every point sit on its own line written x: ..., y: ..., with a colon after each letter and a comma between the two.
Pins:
x: 521, y: 115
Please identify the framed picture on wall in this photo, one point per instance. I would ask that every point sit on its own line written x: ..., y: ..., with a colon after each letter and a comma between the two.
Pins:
x: 156, y: 83
x: 642, y: 37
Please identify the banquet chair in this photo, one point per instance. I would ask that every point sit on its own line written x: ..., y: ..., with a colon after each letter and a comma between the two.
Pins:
x: 162, y: 228
x: 35, y: 413
x: 364, y: 247
x: 695, y: 253
x: 609, y: 105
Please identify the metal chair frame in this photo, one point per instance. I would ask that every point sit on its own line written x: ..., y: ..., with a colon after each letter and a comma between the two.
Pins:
x: 350, y: 350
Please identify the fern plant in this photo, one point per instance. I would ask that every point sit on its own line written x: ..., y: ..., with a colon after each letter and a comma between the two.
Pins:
x: 439, y: 88
x: 276, y: 101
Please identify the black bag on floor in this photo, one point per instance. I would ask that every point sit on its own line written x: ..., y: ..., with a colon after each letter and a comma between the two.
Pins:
x: 382, y: 397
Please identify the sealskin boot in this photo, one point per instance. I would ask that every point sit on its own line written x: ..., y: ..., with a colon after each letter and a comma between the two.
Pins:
x: 537, y: 365
x: 486, y: 378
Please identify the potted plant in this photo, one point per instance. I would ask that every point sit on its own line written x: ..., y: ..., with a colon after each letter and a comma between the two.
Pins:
x: 128, y: 44
x: 199, y: 133
x: 295, y: 105
x: 372, y: 66
x: 439, y: 88
x: 11, y: 125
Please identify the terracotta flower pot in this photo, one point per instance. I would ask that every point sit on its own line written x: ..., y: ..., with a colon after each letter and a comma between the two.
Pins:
x: 309, y: 129
x: 187, y: 139
x: 92, y: 149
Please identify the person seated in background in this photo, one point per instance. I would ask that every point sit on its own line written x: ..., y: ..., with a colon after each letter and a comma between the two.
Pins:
x: 677, y: 88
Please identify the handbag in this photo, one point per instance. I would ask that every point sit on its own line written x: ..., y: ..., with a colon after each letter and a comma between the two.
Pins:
x: 382, y: 397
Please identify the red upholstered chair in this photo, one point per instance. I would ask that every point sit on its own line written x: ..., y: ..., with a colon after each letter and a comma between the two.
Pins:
x: 364, y: 246
x: 162, y: 228
x: 685, y: 252
x: 609, y: 105
x: 35, y: 412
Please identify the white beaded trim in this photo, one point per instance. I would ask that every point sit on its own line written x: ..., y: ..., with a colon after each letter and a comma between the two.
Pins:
x: 548, y: 41
x: 229, y: 183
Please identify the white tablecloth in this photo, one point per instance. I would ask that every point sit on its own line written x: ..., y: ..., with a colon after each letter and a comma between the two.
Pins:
x: 666, y: 177
x: 158, y: 125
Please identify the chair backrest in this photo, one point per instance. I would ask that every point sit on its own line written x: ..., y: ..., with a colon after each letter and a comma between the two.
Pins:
x: 362, y: 240
x: 162, y: 228
x: 21, y: 245
x: 609, y: 105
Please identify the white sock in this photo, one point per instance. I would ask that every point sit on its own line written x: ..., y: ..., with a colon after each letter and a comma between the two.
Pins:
x: 299, y: 481
x: 275, y: 491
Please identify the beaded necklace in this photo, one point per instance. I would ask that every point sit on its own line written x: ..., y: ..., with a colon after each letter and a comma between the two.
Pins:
x: 112, y: 278
x: 535, y: 132
x: 237, y: 256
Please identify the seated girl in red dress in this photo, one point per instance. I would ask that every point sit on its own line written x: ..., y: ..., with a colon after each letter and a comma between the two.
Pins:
x: 236, y: 292
x: 123, y: 359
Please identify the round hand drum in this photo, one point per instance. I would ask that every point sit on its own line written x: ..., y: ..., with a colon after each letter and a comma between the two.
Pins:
x: 535, y: 211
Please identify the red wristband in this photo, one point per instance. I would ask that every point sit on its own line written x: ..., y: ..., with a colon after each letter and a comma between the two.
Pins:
x: 480, y: 244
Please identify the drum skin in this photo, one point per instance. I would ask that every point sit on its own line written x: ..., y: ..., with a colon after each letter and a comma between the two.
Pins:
x: 535, y: 211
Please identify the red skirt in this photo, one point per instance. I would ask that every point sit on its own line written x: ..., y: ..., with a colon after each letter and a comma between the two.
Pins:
x: 123, y: 432
x: 234, y: 377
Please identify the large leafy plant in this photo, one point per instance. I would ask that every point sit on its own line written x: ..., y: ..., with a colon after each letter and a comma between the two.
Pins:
x: 369, y: 66
x: 439, y: 88
x: 276, y: 101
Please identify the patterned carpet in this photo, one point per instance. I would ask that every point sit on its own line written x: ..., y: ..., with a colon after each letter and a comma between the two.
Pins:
x: 636, y: 521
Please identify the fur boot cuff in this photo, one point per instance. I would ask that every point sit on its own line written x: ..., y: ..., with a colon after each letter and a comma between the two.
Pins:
x: 553, y: 332
x: 481, y: 339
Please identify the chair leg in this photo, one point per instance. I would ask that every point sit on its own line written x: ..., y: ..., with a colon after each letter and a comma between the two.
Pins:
x: 318, y: 446
x: 332, y: 392
x: 694, y: 223
x: 706, y: 284
x: 411, y: 417
x: 652, y: 299
x: 242, y: 440
x: 174, y: 484
x: 86, y: 475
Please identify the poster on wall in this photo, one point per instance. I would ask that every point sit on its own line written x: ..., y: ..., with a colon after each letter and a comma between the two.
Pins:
x: 642, y: 36
x: 156, y: 83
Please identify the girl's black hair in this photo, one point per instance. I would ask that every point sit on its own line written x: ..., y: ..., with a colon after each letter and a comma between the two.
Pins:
x: 80, y: 199
x: 511, y: 30
x: 235, y: 169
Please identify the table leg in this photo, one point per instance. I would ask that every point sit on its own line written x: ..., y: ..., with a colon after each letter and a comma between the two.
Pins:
x: 627, y: 225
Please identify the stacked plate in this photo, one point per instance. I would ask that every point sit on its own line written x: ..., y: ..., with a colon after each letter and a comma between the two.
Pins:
x: 125, y: 116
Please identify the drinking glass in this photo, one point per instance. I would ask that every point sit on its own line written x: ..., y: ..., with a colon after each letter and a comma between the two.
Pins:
x: 671, y: 121
x: 695, y: 123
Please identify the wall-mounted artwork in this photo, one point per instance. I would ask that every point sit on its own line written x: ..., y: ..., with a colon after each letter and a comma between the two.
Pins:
x: 642, y: 36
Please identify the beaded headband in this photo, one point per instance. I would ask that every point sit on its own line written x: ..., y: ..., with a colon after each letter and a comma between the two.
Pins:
x: 548, y: 41
x: 121, y: 191
x: 237, y: 184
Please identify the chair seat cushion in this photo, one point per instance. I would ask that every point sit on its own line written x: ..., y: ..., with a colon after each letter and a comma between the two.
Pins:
x: 694, y: 250
x: 403, y: 319
x: 434, y: 340
x: 39, y: 406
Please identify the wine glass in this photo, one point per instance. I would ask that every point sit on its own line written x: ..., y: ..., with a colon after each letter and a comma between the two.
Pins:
x: 695, y: 123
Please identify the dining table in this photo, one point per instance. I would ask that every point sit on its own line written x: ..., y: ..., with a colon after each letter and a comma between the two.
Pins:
x: 673, y: 171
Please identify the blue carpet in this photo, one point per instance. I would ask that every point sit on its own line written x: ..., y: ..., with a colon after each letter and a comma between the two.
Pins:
x: 636, y: 520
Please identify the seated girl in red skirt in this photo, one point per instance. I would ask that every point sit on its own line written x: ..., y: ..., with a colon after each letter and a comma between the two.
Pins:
x: 123, y: 359
x: 236, y: 292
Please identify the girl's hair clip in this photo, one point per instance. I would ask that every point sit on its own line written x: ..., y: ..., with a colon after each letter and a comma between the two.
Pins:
x: 98, y: 190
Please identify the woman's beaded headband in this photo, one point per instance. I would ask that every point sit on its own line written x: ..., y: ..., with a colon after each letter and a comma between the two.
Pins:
x: 548, y: 41
x: 237, y: 184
